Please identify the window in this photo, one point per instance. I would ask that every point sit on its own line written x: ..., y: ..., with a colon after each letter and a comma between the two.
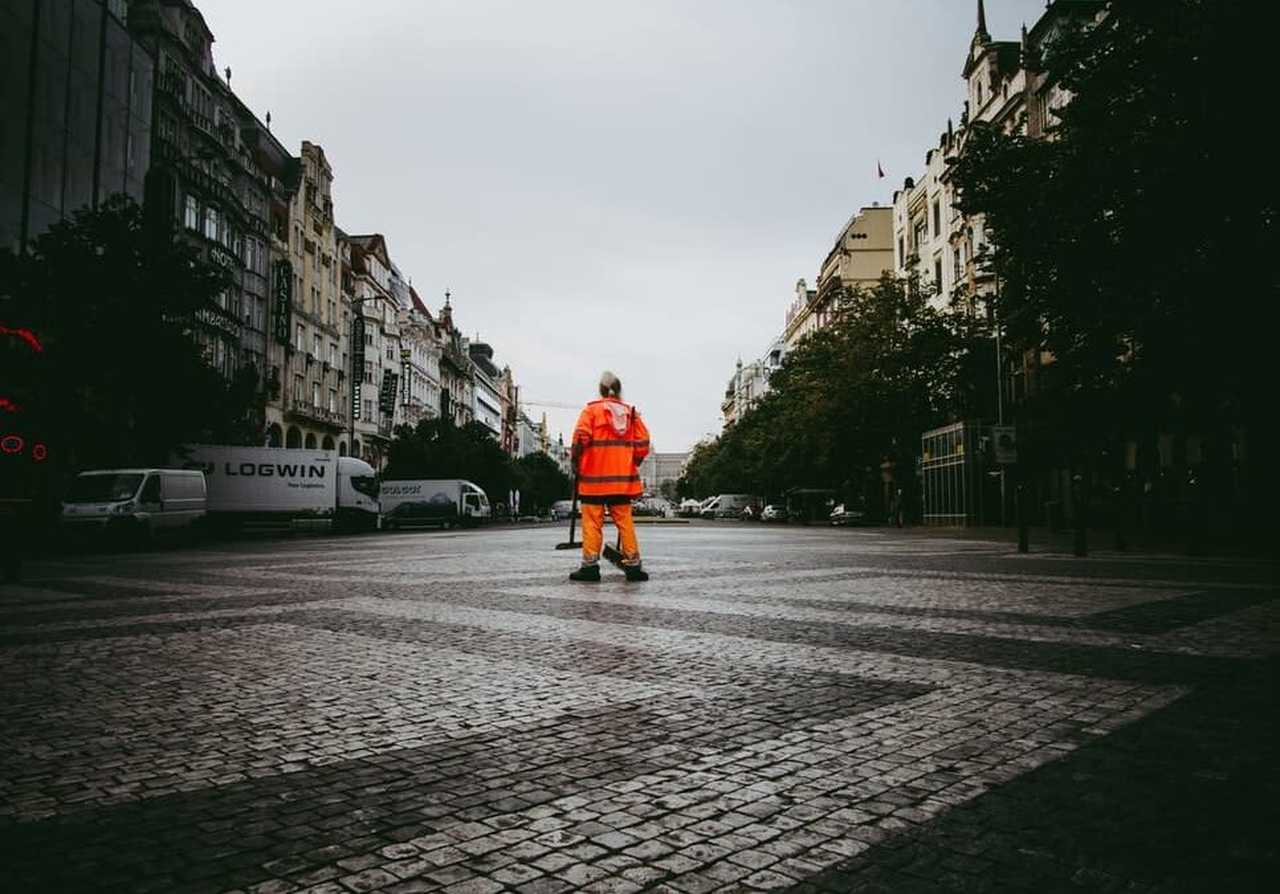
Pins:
x: 333, y: 353
x: 937, y: 273
x: 192, y: 217
x: 921, y: 232
x: 333, y: 312
x: 315, y: 345
x: 297, y: 388
x: 368, y: 372
x: 937, y: 218
x: 368, y: 411
x: 333, y: 400
x: 902, y: 255
x: 301, y: 341
x: 211, y: 223
x: 315, y: 394
x: 957, y: 272
x: 390, y: 353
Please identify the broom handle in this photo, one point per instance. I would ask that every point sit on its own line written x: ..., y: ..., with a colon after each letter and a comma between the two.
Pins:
x: 573, y: 509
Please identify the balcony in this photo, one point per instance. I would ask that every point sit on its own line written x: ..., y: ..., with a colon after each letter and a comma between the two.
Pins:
x: 305, y: 411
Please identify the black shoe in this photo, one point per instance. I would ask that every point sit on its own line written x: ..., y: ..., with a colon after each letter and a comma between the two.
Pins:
x: 589, y: 573
x: 635, y: 573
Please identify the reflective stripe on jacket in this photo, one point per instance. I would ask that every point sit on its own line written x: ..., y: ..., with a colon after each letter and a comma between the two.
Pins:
x: 611, y: 441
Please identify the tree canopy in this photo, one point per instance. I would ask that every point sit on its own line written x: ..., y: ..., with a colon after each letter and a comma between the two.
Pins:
x: 120, y: 377
x: 888, y: 367
x: 436, y: 448
x: 1123, y: 250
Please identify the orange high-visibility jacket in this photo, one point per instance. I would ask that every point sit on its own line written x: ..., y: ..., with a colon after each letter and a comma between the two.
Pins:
x: 610, y: 440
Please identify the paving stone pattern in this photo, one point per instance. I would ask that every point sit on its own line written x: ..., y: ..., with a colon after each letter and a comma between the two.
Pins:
x: 778, y: 709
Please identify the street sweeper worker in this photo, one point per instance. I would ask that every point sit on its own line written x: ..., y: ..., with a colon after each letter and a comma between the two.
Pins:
x: 609, y: 443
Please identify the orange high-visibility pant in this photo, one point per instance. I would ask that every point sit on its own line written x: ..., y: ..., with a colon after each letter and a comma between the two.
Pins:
x: 593, y: 532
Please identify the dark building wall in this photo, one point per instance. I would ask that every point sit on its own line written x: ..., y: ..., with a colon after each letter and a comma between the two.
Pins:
x: 76, y: 122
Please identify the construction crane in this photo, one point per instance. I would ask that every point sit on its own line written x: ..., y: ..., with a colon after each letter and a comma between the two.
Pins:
x: 555, y: 405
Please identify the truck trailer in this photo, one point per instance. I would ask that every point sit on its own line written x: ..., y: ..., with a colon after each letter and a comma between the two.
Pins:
x: 297, y: 486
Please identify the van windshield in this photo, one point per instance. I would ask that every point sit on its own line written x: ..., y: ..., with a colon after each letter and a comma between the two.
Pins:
x: 103, y: 488
x: 365, y: 484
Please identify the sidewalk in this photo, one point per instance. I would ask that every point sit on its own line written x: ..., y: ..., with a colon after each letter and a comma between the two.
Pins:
x: 1101, y: 541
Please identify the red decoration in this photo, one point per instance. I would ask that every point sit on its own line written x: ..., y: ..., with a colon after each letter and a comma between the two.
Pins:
x: 25, y: 334
x: 12, y: 444
x: 6, y: 404
x: 39, y: 452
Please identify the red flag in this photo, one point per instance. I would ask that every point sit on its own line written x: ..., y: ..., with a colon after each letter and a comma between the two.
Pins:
x: 879, y: 169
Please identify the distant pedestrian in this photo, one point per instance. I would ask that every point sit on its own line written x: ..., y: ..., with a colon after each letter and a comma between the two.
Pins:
x: 609, y: 443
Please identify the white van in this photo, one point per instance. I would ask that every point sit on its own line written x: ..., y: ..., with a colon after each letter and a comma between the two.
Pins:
x: 144, y: 502
x: 727, y: 506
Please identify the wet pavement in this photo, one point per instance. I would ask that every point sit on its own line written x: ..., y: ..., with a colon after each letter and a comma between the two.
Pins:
x: 780, y: 708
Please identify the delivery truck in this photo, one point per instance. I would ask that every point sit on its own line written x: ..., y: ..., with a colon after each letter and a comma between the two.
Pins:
x: 298, y: 486
x: 439, y: 501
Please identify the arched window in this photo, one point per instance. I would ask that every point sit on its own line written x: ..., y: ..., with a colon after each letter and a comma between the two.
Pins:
x: 327, y: 443
x: 275, y: 437
x: 311, y: 441
x: 294, y: 437
x: 356, y: 449
x: 342, y: 448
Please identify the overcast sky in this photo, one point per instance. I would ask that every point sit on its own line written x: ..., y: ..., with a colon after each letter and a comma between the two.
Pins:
x: 632, y: 186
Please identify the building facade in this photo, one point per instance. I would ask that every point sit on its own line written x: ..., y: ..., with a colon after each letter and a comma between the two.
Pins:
x: 750, y: 382
x: 457, y: 390
x: 658, y: 469
x: 76, y: 87
x: 204, y: 180
x: 375, y: 338
x: 420, y: 363
x: 862, y: 253
x: 487, y: 388
x: 307, y: 402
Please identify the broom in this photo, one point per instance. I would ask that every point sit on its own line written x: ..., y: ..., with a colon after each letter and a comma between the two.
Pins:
x: 573, y: 518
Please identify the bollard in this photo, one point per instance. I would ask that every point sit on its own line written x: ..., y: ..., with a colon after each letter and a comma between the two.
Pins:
x: 1122, y: 518
x: 1024, y: 531
x: 1081, y: 544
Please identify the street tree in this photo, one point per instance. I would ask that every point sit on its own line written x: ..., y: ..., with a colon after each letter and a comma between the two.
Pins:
x: 436, y: 448
x: 541, y: 482
x: 120, y: 377
x: 1124, y: 251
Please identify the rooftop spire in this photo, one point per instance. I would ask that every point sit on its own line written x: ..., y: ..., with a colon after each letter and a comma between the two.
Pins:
x: 982, y: 20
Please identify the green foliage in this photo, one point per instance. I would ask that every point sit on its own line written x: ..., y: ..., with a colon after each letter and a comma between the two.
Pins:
x: 541, y: 483
x: 121, y: 379
x: 436, y: 448
x: 1123, y: 247
x: 888, y: 367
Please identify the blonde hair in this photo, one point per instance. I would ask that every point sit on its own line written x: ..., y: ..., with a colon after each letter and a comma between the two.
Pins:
x: 610, y: 385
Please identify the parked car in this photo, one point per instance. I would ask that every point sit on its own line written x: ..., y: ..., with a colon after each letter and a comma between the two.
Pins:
x: 774, y: 513
x: 847, y: 515
x: 562, y: 509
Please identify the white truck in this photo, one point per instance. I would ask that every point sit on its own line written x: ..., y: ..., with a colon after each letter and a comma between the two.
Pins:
x: 286, y: 484
x: 437, y: 501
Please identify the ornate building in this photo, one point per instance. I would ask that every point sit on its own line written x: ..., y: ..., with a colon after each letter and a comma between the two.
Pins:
x: 204, y: 180
x: 376, y: 346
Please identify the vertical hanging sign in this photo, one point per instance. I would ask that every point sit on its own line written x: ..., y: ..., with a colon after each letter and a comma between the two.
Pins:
x: 282, y: 302
x: 357, y: 360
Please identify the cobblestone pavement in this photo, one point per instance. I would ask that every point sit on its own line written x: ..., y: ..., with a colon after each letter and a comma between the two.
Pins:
x: 779, y: 708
